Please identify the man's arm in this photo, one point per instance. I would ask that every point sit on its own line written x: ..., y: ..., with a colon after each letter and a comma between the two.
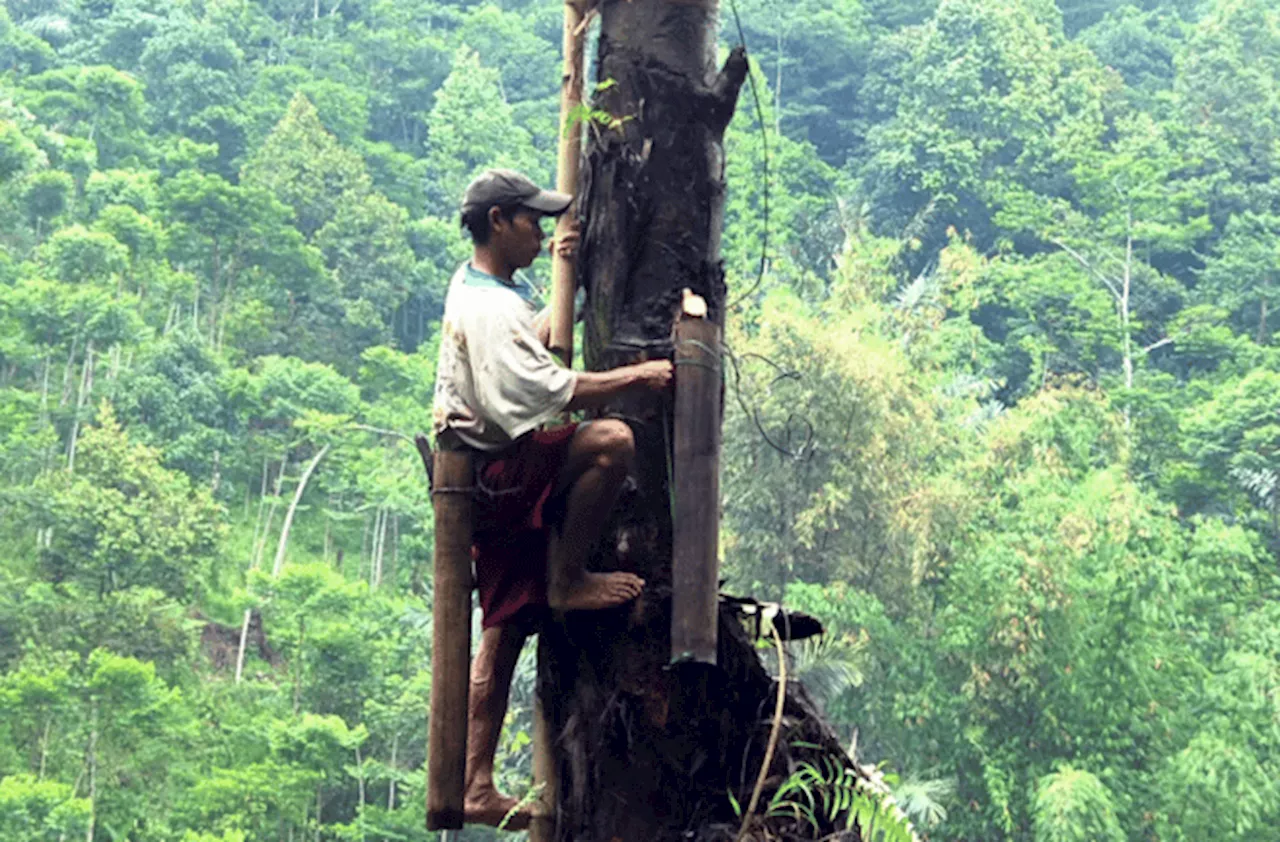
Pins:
x: 594, y: 388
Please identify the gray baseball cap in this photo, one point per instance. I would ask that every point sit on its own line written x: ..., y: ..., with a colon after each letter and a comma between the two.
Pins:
x: 508, y: 187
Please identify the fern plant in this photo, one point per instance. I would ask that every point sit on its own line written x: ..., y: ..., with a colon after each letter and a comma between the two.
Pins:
x: 835, y: 795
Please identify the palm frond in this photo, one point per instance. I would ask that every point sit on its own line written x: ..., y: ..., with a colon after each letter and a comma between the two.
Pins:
x: 923, y: 290
x: 923, y: 799
x: 1259, y: 483
x: 829, y: 672
x: 826, y: 666
x: 981, y: 417
x: 968, y: 385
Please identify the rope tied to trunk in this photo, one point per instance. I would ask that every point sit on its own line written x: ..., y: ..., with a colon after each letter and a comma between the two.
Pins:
x: 713, y: 367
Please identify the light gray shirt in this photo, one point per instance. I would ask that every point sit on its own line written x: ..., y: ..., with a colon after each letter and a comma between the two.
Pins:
x: 494, y: 381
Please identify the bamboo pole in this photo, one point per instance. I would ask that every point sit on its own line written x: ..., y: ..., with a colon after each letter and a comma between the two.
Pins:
x: 696, y: 476
x: 451, y: 640
x: 563, y: 269
x: 542, y: 825
x: 564, y: 285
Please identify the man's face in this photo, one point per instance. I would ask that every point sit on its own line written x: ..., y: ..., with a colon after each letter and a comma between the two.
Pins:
x: 518, y: 239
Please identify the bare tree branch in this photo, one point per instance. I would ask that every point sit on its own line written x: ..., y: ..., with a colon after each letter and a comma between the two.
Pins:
x: 1089, y: 267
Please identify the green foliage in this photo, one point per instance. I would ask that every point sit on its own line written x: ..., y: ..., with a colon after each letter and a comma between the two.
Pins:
x: 1232, y: 57
x: 123, y: 521
x: 924, y: 800
x: 99, y: 103
x: 835, y: 794
x: 21, y: 50
x: 32, y: 810
x: 176, y: 398
x: 1001, y: 407
x: 1243, y: 275
x: 46, y: 194
x: 1216, y: 785
x: 1233, y: 440
x: 1140, y: 46
x: 981, y: 96
x: 1072, y: 805
x: 17, y: 152
x: 304, y: 166
x: 472, y: 127
x: 77, y: 256
x: 135, y: 188
x: 815, y: 87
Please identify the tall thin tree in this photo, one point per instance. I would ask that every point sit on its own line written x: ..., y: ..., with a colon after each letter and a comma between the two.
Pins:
x: 641, y: 749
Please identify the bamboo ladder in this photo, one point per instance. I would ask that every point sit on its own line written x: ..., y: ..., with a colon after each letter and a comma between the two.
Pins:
x: 563, y: 289
x: 452, y: 479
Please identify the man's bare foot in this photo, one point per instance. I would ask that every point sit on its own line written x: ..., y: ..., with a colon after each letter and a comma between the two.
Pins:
x: 595, y: 591
x: 488, y: 806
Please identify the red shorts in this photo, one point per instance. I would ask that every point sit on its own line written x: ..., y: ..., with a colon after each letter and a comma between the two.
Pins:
x: 514, y: 512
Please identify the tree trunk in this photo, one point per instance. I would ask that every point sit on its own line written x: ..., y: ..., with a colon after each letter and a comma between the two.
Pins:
x: 644, y: 751
x: 360, y: 793
x: 777, y: 88
x: 1126, y: 286
x: 93, y: 770
x: 66, y: 372
x: 364, y: 548
x: 1126, y: 282
x: 293, y: 507
x: 44, y: 388
x: 82, y: 397
x: 390, y: 572
x: 379, y: 548
x: 44, y: 746
x: 563, y: 270
x: 259, y: 546
x: 373, y: 552
x: 244, y: 640
x: 391, y: 784
x: 319, y: 808
x: 328, y: 530
x: 297, y: 676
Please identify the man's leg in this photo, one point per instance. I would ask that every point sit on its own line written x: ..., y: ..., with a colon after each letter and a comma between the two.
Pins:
x: 491, y: 674
x: 599, y: 457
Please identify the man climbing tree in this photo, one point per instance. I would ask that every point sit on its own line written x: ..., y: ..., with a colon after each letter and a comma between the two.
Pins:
x: 541, y: 493
x: 639, y: 749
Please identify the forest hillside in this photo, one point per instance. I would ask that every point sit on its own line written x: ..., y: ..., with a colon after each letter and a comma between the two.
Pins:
x: 1004, y: 408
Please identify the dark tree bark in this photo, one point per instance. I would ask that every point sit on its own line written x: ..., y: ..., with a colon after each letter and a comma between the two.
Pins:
x: 645, y: 751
